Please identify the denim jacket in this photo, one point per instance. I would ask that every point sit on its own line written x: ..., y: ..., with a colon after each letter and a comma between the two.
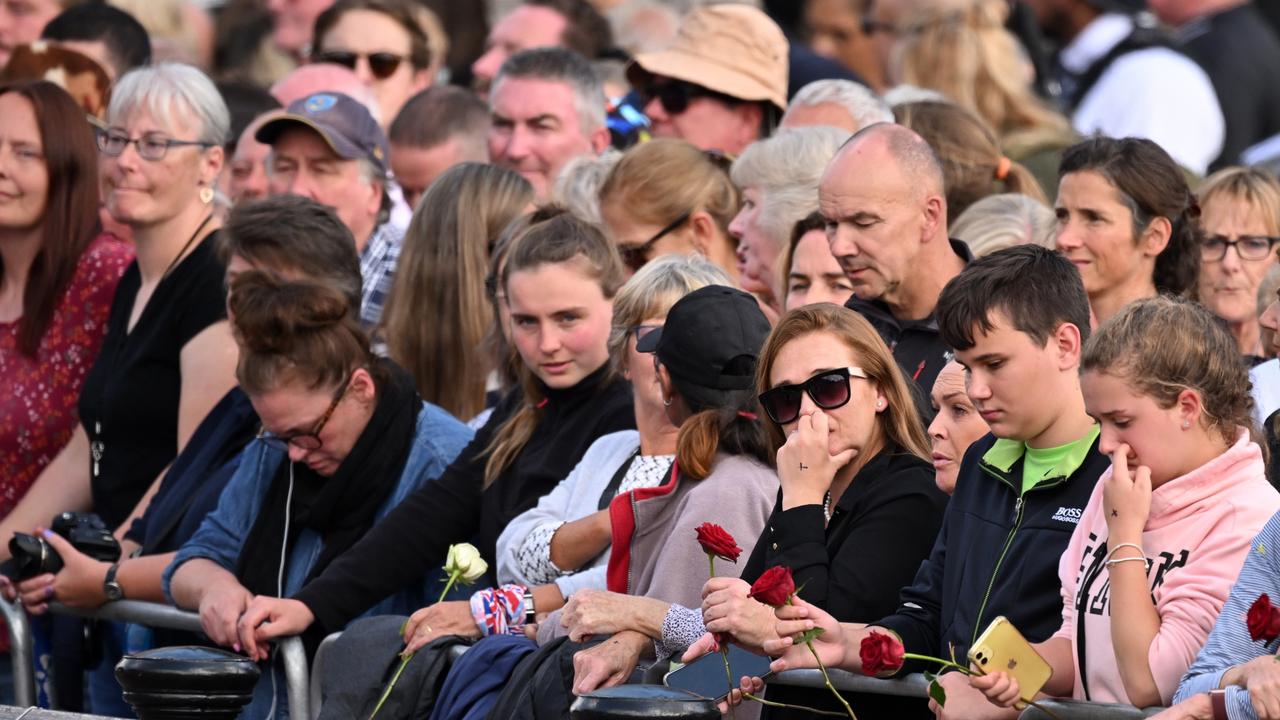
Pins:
x: 438, y: 439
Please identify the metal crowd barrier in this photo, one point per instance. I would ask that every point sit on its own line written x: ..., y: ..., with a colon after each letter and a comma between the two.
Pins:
x: 915, y: 685
x: 292, y: 653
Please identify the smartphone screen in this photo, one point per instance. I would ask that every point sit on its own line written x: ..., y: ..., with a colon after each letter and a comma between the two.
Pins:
x: 706, y: 677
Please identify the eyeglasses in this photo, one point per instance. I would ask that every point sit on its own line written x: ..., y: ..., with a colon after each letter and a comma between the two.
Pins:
x: 828, y: 390
x: 382, y: 64
x: 1248, y: 247
x: 151, y: 146
x: 635, y: 256
x: 307, y: 440
x: 675, y: 95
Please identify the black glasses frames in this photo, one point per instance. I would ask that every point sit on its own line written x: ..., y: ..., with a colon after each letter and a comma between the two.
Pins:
x: 1249, y: 247
x: 828, y: 390
x: 635, y: 256
x: 307, y: 440
x: 382, y: 64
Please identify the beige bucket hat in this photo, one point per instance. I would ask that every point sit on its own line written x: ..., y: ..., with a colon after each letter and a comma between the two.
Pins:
x: 730, y: 48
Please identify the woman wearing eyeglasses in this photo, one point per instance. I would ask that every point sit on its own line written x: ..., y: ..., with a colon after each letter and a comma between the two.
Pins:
x: 384, y: 42
x: 168, y: 356
x: 345, y: 438
x: 667, y: 196
x: 1240, y: 216
x: 858, y: 510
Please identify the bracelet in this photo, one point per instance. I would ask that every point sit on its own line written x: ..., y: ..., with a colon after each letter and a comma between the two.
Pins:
x: 1135, y: 546
x: 1145, y: 561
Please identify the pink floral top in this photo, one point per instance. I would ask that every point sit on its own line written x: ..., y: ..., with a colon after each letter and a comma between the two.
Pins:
x: 38, y: 395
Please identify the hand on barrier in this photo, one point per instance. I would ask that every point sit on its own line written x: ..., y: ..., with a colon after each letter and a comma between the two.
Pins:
x: 600, y: 612
x: 267, y: 618
x: 1000, y: 688
x: 443, y: 618
x: 966, y: 703
x: 727, y: 609
x: 1196, y: 707
x: 608, y: 664
x: 220, y: 610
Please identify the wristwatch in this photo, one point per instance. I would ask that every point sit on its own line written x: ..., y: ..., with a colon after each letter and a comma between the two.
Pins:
x: 529, y: 613
x: 1218, y: 701
x: 110, y: 587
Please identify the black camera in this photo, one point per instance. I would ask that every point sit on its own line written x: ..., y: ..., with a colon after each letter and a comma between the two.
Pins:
x: 33, y: 555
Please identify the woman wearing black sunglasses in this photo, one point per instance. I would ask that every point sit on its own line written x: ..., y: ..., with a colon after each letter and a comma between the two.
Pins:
x: 384, y: 42
x: 858, y: 509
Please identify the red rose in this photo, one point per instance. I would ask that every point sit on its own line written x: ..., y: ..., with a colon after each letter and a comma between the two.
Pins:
x: 774, y: 587
x: 1263, y: 620
x: 880, y: 653
x: 717, y: 541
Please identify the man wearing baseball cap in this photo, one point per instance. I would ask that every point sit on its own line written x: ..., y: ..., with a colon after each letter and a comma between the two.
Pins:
x: 722, y: 84
x: 328, y: 148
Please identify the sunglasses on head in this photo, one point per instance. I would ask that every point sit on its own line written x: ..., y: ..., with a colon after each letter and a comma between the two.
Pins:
x: 382, y: 64
x: 828, y: 389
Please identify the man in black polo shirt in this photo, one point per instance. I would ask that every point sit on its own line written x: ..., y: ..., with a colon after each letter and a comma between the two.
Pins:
x: 882, y: 196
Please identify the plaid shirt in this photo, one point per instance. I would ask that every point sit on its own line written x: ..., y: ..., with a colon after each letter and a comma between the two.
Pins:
x: 377, y: 270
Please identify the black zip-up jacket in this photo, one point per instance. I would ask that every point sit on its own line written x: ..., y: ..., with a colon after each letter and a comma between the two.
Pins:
x: 997, y: 554
x: 915, y: 344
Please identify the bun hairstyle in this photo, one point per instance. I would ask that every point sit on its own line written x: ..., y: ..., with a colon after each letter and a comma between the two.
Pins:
x: 1164, y: 345
x: 552, y: 236
x: 294, y: 332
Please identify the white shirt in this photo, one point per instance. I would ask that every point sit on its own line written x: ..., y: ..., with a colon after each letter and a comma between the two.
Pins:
x: 1155, y: 93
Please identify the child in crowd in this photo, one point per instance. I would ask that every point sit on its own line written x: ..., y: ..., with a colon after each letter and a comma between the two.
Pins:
x: 1168, y: 526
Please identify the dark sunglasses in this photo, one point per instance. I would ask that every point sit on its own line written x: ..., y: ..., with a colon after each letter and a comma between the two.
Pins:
x: 382, y: 64
x: 828, y: 390
x: 641, y: 330
x: 675, y: 95
x: 635, y: 256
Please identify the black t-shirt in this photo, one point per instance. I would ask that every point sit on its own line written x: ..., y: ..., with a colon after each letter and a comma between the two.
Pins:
x: 129, y: 401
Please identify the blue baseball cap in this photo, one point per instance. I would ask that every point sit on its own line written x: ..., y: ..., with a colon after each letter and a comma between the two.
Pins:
x: 345, y: 124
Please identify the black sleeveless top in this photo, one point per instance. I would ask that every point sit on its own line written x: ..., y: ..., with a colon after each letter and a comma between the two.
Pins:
x: 129, y: 401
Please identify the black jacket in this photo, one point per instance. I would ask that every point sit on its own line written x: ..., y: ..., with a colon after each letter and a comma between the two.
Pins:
x: 880, y: 530
x: 915, y: 344
x: 997, y: 554
x: 456, y: 507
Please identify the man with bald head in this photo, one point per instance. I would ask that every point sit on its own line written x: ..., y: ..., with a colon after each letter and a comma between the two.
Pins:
x: 886, y: 213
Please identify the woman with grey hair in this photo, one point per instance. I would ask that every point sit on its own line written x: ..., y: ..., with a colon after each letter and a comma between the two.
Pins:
x: 779, y: 181
x: 1001, y: 221
x: 169, y: 355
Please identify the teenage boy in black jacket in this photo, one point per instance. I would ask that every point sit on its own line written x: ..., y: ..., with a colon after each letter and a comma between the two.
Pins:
x: 1017, y: 319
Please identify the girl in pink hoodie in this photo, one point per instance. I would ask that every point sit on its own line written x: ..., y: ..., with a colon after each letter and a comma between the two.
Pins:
x: 1168, y: 526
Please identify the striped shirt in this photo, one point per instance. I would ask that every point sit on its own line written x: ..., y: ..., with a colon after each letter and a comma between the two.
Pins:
x: 1229, y: 644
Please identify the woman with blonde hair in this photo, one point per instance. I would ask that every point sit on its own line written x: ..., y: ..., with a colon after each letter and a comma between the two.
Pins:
x: 441, y: 275
x: 973, y: 165
x: 962, y: 49
x: 667, y: 196
x: 1240, y: 219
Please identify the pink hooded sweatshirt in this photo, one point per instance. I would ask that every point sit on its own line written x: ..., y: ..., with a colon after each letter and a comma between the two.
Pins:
x: 1197, y: 535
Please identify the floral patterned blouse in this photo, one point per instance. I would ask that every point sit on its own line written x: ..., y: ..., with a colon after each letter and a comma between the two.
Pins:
x: 38, y: 395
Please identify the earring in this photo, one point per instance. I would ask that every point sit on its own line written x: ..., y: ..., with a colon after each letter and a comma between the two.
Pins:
x: 1186, y: 424
x: 880, y: 405
x: 206, y: 195
x: 666, y: 402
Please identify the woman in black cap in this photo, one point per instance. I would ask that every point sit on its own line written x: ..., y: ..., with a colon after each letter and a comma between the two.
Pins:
x: 705, y: 355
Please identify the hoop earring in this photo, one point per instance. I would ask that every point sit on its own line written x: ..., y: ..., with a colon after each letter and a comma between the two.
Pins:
x: 206, y: 195
x: 666, y: 402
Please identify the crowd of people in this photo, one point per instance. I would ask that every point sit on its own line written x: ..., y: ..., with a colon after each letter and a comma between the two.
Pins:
x: 957, y: 309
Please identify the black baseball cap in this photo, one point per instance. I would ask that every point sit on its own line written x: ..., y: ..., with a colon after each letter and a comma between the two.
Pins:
x: 703, y: 338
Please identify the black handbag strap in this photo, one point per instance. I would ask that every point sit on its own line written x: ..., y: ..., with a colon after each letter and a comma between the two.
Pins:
x: 616, y: 481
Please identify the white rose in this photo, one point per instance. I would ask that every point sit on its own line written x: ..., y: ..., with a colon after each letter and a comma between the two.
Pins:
x: 465, y: 562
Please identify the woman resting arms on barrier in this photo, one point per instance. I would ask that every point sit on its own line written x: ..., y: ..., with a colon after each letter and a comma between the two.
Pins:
x: 345, y: 437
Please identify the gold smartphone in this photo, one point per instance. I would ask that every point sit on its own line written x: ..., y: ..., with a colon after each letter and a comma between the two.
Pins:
x: 1001, y: 648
